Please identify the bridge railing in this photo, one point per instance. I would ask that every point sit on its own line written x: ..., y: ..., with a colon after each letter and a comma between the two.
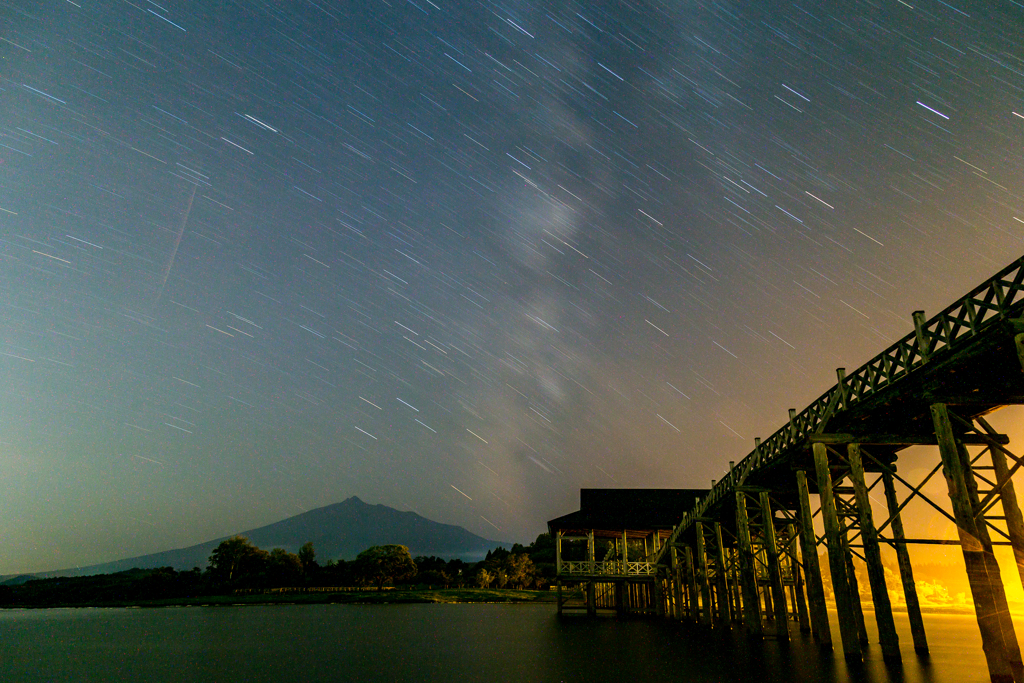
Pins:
x: 607, y: 568
x: 1000, y: 297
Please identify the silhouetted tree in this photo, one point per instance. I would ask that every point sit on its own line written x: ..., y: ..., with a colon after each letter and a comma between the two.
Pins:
x: 283, y: 567
x: 307, y: 556
x: 236, y: 557
x: 382, y: 564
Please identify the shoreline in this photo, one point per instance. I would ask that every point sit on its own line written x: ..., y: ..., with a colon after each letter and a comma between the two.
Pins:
x: 388, y: 597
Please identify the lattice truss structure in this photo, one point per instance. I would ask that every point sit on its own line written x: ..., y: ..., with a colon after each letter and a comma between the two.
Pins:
x: 746, y: 556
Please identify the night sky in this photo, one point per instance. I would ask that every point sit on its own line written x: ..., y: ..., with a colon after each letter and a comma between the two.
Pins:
x: 463, y: 258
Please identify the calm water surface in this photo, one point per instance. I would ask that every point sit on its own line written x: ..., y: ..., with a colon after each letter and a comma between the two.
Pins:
x: 377, y: 643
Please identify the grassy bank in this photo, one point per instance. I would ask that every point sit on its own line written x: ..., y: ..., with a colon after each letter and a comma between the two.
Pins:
x: 450, y: 595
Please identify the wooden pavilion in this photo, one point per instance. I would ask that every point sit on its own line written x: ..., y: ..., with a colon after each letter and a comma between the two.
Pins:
x: 606, y: 551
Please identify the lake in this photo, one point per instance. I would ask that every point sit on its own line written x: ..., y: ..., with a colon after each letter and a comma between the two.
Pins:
x: 423, y: 642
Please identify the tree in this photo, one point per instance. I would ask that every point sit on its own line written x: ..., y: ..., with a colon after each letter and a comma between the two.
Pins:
x: 433, y: 577
x: 385, y: 563
x: 236, y: 557
x: 483, y: 578
x: 283, y: 567
x: 518, y: 569
x: 307, y: 556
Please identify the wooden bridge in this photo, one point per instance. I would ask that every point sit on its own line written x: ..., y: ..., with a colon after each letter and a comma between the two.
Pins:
x: 745, y: 554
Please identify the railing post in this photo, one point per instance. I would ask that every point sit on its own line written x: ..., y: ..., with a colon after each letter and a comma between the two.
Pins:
x: 558, y: 551
x: 774, y: 569
x: 982, y: 570
x: 798, y: 582
x: 872, y: 555
x: 721, y: 585
x: 922, y: 339
x: 748, y: 581
x: 836, y: 556
x: 625, y: 554
x: 841, y: 384
x: 906, y: 569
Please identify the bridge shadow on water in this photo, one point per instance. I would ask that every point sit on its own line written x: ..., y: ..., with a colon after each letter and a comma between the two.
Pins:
x: 692, y: 653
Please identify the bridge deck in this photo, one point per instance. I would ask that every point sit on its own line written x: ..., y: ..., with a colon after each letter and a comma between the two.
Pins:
x: 964, y: 356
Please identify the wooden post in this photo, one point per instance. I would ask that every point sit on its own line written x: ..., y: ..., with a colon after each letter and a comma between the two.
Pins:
x: 812, y: 568
x: 659, y: 602
x: 734, y: 583
x: 1002, y: 608
x: 774, y: 569
x: 748, y: 580
x: 676, y: 584
x: 620, y: 599
x: 591, y: 599
x: 798, y: 582
x: 836, y: 556
x: 702, y: 576
x: 982, y: 571
x: 590, y: 550
x: 919, y: 331
x: 558, y: 552
x: 1014, y: 520
x: 721, y: 585
x: 625, y: 554
x: 691, y: 585
x: 851, y: 578
x: 906, y: 569
x: 872, y: 555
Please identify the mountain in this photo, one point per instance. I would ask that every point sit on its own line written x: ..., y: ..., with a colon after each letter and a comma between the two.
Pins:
x: 339, y: 531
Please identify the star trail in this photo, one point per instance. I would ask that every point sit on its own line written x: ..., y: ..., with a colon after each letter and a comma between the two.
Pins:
x: 463, y: 258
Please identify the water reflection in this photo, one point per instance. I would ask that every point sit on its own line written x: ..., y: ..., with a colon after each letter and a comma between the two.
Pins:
x: 437, y: 643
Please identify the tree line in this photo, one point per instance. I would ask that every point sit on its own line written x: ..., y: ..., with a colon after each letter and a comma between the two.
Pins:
x: 237, y: 563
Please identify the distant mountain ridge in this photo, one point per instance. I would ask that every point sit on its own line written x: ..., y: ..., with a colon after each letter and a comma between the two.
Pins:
x: 338, y: 531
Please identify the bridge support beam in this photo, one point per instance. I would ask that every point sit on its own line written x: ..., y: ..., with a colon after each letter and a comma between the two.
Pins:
x: 721, y: 584
x: 706, y: 616
x: 691, y: 585
x: 872, y: 555
x: 774, y: 569
x: 851, y: 578
x: 997, y: 636
x: 1008, y: 497
x: 906, y: 569
x: 798, y: 581
x: 812, y: 569
x: 734, y: 583
x: 748, y: 579
x: 676, y: 584
x: 837, y: 556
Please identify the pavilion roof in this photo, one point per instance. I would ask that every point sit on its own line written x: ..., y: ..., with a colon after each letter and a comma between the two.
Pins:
x: 635, y: 511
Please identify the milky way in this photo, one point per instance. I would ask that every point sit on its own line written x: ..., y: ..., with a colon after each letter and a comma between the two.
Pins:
x: 463, y: 258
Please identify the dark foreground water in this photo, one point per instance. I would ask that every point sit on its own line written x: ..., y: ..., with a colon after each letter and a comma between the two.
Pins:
x: 434, y: 643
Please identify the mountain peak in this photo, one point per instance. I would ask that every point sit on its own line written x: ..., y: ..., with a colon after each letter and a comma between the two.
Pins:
x: 338, y: 531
